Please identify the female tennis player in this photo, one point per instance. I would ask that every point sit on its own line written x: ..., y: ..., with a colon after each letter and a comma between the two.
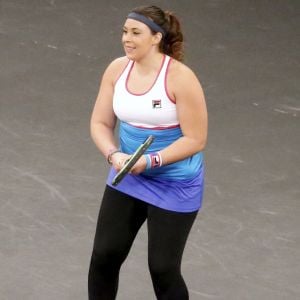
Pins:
x: 151, y: 92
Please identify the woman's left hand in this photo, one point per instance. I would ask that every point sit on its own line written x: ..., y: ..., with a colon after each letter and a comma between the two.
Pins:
x: 139, y: 166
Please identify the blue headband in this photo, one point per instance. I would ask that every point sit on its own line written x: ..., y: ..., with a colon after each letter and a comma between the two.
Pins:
x: 152, y: 25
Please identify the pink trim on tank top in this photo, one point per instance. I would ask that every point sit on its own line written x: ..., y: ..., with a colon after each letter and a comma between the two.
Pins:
x: 141, y: 94
x: 165, y: 81
x: 121, y: 73
x: 155, y: 128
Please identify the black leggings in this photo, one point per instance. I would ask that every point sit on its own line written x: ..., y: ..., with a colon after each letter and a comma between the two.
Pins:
x: 120, y: 218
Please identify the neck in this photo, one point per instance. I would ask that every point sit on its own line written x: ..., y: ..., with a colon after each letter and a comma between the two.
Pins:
x: 151, y: 62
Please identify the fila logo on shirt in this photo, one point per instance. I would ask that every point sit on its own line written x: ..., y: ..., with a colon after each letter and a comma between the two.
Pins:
x: 156, y: 103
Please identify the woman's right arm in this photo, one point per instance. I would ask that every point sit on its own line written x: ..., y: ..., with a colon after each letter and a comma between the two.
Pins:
x: 103, y: 120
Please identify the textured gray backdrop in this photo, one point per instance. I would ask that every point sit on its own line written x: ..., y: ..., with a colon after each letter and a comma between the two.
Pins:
x: 245, y: 243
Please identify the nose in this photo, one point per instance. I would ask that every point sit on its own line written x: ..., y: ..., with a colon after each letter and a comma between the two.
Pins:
x: 126, y: 37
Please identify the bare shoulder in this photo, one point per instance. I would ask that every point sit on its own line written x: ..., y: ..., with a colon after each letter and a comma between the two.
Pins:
x: 115, y: 68
x: 182, y: 81
x: 180, y: 73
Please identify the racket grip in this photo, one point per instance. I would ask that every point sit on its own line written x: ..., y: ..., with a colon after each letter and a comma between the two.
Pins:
x: 132, y: 160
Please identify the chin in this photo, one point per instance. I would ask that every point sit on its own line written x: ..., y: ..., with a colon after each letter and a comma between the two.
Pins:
x: 131, y: 56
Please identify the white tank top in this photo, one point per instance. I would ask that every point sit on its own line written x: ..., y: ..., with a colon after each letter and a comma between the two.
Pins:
x: 152, y: 109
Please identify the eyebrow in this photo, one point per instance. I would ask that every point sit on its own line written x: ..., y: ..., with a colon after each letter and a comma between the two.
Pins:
x: 133, y: 28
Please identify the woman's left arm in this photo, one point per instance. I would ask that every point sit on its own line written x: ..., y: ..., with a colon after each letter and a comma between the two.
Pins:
x: 185, y: 87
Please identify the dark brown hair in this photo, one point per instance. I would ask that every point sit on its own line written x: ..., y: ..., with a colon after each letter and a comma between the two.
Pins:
x: 172, y: 42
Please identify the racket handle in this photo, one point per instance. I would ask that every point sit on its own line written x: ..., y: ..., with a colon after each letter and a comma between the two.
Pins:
x: 132, y: 160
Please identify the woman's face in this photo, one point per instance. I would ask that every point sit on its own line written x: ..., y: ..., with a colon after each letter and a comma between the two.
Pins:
x: 137, y: 39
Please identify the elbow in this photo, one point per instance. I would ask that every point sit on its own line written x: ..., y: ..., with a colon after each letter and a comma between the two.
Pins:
x: 99, y: 128
x: 202, y: 145
x: 202, y: 140
x: 95, y: 129
x: 197, y: 145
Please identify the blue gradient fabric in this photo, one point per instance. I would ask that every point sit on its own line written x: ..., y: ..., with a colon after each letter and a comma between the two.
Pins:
x: 177, y: 187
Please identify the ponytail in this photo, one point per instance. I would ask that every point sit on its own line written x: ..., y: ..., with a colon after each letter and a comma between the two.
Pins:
x: 172, y: 41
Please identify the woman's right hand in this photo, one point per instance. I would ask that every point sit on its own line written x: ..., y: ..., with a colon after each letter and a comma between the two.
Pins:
x: 118, y: 159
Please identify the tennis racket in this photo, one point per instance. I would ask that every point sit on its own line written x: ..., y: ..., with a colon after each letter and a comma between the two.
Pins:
x: 132, y: 160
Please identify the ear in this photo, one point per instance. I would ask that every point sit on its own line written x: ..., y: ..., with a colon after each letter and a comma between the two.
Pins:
x: 156, y: 38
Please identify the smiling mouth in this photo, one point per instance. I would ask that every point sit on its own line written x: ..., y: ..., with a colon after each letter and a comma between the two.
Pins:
x: 128, y: 48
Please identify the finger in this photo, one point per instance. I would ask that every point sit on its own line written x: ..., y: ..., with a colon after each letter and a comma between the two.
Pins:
x: 120, y: 163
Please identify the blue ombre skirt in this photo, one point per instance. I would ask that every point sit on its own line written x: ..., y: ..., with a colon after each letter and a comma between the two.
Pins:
x: 177, y: 187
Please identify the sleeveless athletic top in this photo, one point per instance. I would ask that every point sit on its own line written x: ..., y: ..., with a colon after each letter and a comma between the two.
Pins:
x: 177, y: 186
